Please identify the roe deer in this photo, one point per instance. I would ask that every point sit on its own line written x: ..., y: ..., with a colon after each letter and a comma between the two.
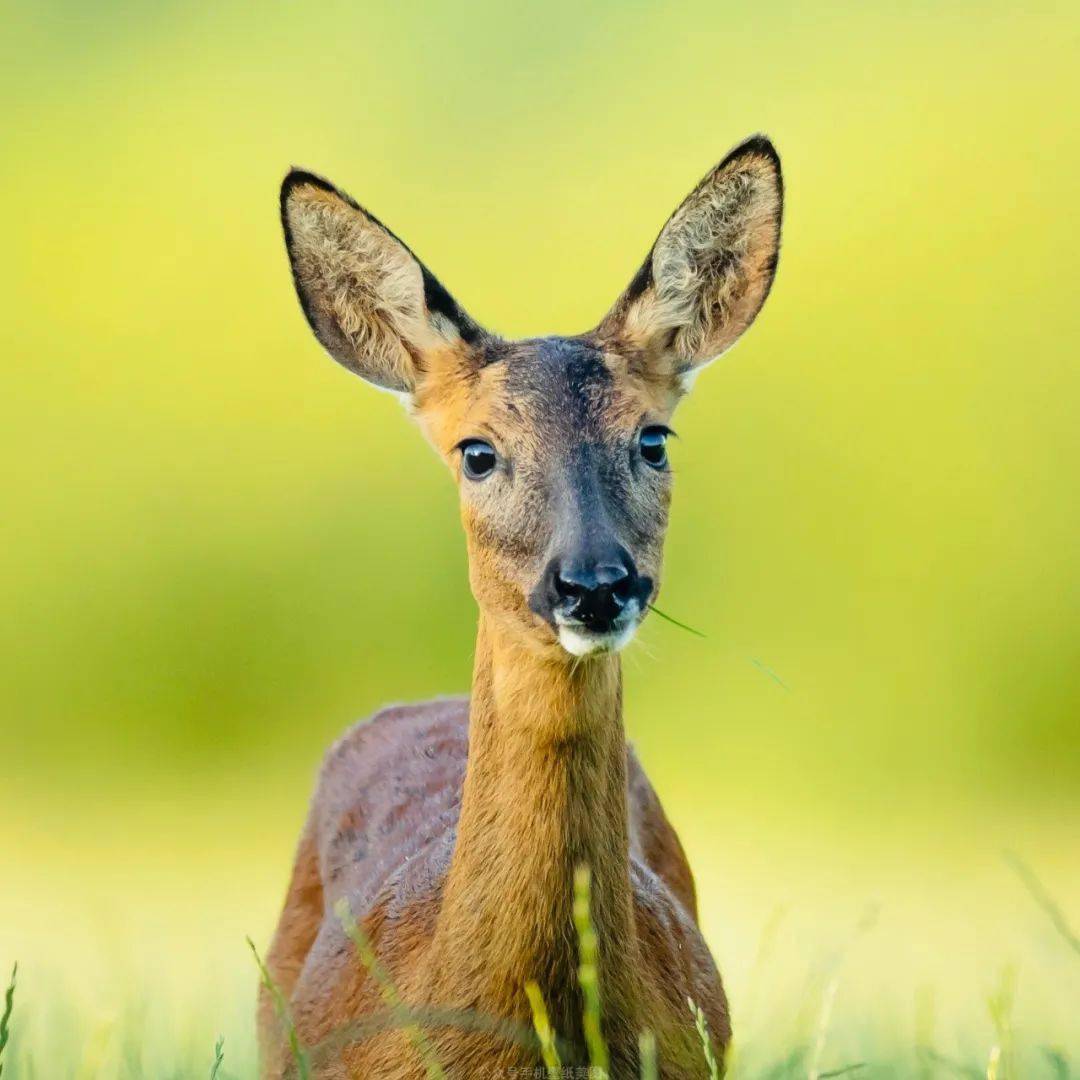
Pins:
x: 453, y: 828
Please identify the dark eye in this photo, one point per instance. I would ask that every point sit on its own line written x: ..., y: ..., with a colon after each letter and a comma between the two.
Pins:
x: 652, y: 442
x: 477, y: 458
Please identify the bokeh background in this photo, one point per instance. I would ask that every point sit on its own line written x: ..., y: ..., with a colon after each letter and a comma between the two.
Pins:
x: 219, y: 549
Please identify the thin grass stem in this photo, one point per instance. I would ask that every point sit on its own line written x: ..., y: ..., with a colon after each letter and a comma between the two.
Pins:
x: 281, y: 1009
x: 544, y: 1031
x: 1041, y: 895
x: 706, y: 1039
x: 650, y: 1066
x: 675, y: 622
x: 766, y: 670
x: 219, y: 1057
x: 390, y: 995
x: 5, y: 1019
x: 588, y: 975
x: 824, y: 1017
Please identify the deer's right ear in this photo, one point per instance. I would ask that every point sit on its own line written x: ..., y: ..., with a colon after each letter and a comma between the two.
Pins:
x: 711, y: 268
x: 371, y: 303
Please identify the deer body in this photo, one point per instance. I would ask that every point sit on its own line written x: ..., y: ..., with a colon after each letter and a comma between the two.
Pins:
x: 452, y: 829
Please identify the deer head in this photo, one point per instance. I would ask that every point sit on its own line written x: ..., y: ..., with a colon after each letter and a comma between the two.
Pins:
x: 557, y: 443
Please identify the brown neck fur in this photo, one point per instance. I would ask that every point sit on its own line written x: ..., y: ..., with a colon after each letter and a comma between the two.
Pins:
x: 545, y: 791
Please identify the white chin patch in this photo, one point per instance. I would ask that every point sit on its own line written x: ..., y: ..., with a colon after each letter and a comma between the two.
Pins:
x: 579, y: 642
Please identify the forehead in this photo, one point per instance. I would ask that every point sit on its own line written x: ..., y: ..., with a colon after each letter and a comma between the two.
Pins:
x: 558, y: 382
x: 570, y: 387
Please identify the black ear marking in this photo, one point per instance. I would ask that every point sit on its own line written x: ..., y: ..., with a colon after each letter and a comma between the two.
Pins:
x: 642, y: 279
x: 759, y: 145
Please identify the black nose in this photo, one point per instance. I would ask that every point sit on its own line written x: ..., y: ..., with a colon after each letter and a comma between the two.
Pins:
x: 593, y: 593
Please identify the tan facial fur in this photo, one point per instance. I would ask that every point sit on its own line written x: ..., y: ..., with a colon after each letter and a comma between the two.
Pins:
x: 512, y: 400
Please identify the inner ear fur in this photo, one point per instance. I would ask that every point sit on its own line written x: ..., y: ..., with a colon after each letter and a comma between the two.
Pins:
x: 712, y: 265
x: 371, y: 303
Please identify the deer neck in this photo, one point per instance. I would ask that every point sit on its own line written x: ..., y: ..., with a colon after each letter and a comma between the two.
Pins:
x: 545, y: 791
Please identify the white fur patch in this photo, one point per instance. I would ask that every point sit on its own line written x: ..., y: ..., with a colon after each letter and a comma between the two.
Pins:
x: 444, y: 326
x: 405, y: 398
x: 580, y: 642
x: 688, y: 378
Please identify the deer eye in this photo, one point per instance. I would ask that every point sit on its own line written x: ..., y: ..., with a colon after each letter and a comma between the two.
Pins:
x: 652, y: 443
x: 478, y: 458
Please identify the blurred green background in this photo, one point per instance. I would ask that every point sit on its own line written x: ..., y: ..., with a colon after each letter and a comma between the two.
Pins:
x: 218, y: 548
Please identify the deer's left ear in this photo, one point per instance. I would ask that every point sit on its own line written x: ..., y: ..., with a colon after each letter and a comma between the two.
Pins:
x: 711, y: 267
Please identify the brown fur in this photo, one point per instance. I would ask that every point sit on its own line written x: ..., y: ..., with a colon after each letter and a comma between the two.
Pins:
x: 453, y: 828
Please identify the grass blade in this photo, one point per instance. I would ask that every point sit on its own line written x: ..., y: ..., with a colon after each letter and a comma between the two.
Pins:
x: 766, y: 670
x: 303, y: 1071
x: 588, y: 975
x: 1057, y: 1061
x: 1000, y: 1006
x: 389, y: 992
x: 5, y: 1020
x: 675, y: 622
x: 544, y: 1032
x: 706, y: 1039
x: 219, y: 1057
x: 1041, y: 895
x: 650, y: 1069
x: 822, y: 1029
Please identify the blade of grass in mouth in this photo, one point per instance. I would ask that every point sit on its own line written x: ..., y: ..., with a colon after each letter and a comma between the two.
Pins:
x: 675, y: 622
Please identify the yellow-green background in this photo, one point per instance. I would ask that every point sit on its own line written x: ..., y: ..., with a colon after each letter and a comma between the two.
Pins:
x: 218, y: 548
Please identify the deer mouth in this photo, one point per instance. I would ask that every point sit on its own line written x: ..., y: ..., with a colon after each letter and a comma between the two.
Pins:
x: 580, y: 638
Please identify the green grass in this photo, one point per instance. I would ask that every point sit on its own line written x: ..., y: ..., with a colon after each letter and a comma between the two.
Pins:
x: 545, y: 1034
x: 588, y: 978
x: 389, y: 991
x: 707, y: 1052
x: 5, y: 1019
x: 281, y: 1008
x: 219, y: 1057
x: 815, y: 1047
